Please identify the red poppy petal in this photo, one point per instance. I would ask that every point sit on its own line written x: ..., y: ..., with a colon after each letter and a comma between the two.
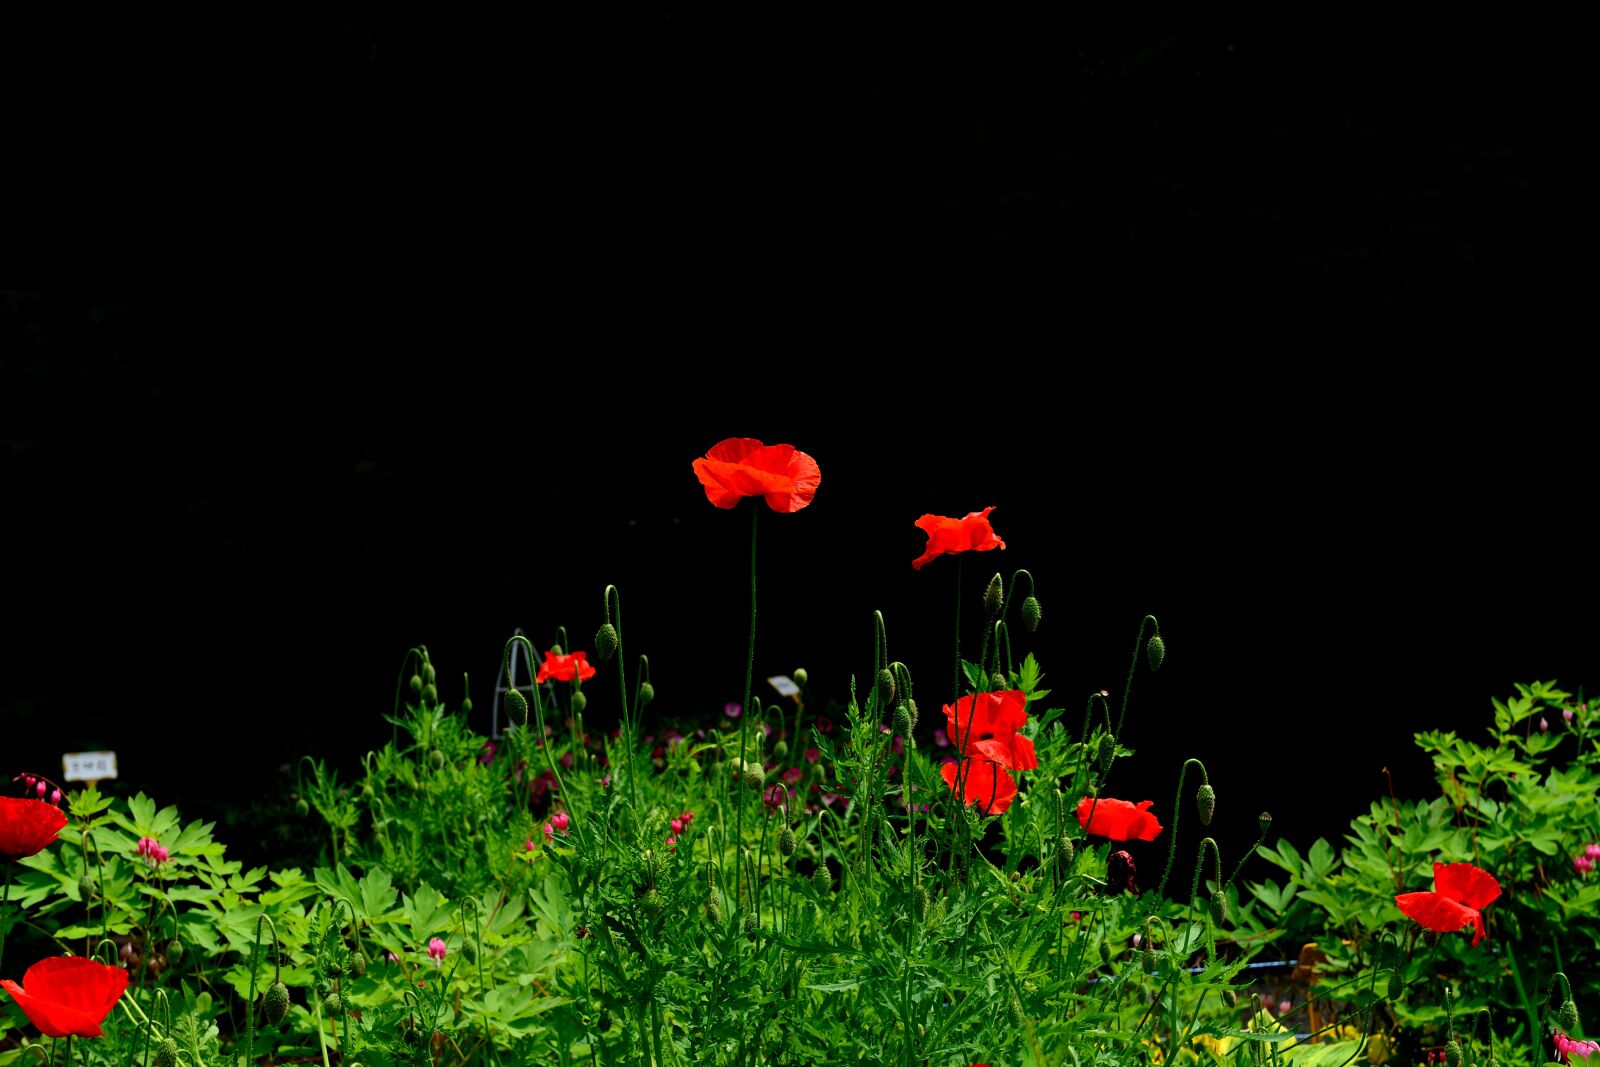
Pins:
x: 68, y: 995
x: 804, y: 476
x: 1473, y: 886
x: 28, y: 825
x: 1439, y: 913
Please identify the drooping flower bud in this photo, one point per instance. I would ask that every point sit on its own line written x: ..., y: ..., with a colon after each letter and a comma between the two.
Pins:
x: 1031, y: 613
x: 654, y: 902
x: 1264, y: 821
x: 167, y: 1053
x: 1155, y: 651
x: 430, y: 694
x: 754, y: 778
x: 821, y: 880
x: 275, y: 1004
x: 800, y: 677
x: 1452, y: 1053
x: 885, y: 688
x: 466, y: 705
x: 902, y: 720
x: 994, y: 596
x: 1219, y: 908
x: 416, y: 684
x: 714, y: 906
x: 786, y: 841
x: 429, y: 675
x: 605, y: 641
x: 357, y: 964
x: 301, y: 808
x: 781, y: 749
x: 333, y: 1004
x: 1066, y: 853
x: 1396, y: 986
x: 752, y: 925
x: 579, y: 702
x: 1567, y: 1014
x: 516, y: 706
x: 1205, y: 799
x: 647, y: 693
x: 1107, y: 752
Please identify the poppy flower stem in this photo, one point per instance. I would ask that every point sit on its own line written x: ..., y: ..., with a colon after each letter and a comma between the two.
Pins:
x: 536, y: 711
x: 1127, y: 690
x: 749, y: 677
x: 277, y: 976
x: 1177, y: 800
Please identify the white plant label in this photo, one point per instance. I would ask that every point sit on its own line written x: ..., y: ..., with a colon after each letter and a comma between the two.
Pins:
x: 88, y: 766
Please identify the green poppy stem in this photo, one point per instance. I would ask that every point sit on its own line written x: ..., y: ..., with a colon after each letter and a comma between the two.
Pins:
x: 744, y: 708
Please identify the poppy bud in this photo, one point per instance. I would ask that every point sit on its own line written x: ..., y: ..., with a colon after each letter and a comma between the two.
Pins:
x: 786, y: 842
x: 1065, y: 853
x: 1264, y: 820
x: 654, y: 902
x: 1107, y: 752
x: 647, y: 693
x: 275, y: 1004
x: 753, y: 777
x: 579, y: 702
x: 416, y: 684
x: 781, y: 749
x: 429, y: 675
x: 174, y: 951
x: 516, y: 706
x: 924, y: 901
x: 1396, y: 986
x: 466, y: 705
x: 167, y: 1053
x: 333, y: 1004
x: 911, y: 707
x: 1219, y: 909
x: 436, y: 757
x: 86, y: 888
x: 1205, y: 799
x: 1230, y: 998
x: 430, y: 694
x: 994, y: 596
x: 714, y: 906
x: 1031, y: 614
x: 605, y: 641
x: 800, y: 677
x: 1567, y: 1015
x: 752, y: 925
x: 998, y: 682
x: 902, y: 721
x: 885, y: 688
x: 1452, y: 1053
x: 1155, y: 651
x: 1018, y: 1019
x: 821, y: 880
x: 357, y: 964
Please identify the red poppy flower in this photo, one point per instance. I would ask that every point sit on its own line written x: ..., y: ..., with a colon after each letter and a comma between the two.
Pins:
x: 987, y: 786
x: 742, y: 466
x: 1460, y: 891
x: 564, y: 668
x: 27, y: 826
x: 956, y: 535
x: 988, y: 725
x: 1118, y: 819
x: 68, y: 995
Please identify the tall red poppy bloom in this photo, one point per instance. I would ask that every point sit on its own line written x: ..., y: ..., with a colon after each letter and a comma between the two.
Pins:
x: 1460, y: 892
x: 987, y: 785
x: 956, y: 535
x: 1118, y: 819
x: 742, y: 466
x: 563, y: 668
x: 987, y: 724
x: 27, y: 826
x: 68, y: 995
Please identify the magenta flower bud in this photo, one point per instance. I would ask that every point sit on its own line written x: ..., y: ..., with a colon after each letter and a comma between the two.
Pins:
x: 1544, y: 725
x: 732, y: 710
x: 39, y: 788
x: 677, y: 826
x: 1566, y: 715
x: 560, y: 821
x: 55, y: 797
x: 436, y: 950
x: 527, y: 845
x: 1593, y: 851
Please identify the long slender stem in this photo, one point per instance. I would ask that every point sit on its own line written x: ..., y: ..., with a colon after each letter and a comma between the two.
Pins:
x: 744, y: 714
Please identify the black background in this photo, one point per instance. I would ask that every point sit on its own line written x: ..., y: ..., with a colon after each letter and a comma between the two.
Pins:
x: 1271, y: 325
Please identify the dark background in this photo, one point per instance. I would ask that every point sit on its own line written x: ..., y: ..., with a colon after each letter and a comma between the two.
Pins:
x: 1269, y: 324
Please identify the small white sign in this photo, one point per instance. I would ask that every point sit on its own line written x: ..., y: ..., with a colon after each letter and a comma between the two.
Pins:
x: 88, y: 766
x: 784, y: 685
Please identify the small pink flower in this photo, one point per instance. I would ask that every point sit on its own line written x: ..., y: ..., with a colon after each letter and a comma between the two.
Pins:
x: 1566, y: 715
x: 436, y: 950
x: 1285, y: 1007
x: 732, y: 710
x: 792, y: 775
x: 566, y: 760
x: 812, y: 755
x: 940, y: 738
x: 672, y: 843
x: 560, y: 821
x: 1544, y: 725
x: 824, y: 725
x: 1592, y: 851
x: 677, y: 826
x: 528, y: 844
x: 687, y: 817
x: 40, y: 788
x: 605, y: 782
x: 55, y: 797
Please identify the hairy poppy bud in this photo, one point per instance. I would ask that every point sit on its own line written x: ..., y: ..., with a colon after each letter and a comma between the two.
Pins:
x: 1031, y: 614
x: 436, y: 757
x: 752, y: 925
x: 647, y: 693
x: 998, y: 682
x: 1397, y: 985
x: 781, y: 749
x: 924, y: 901
x: 821, y: 880
x: 579, y: 702
x: 333, y: 1004
x: 885, y: 688
x: 1264, y: 820
x: 1065, y: 853
x: 86, y: 888
x: 605, y: 641
x: 516, y: 706
x: 1155, y: 651
x: 275, y: 1004
x: 1219, y: 908
x: 902, y: 721
x: 430, y: 694
x: 714, y: 906
x: 1107, y: 752
x: 429, y: 675
x: 994, y: 596
x: 800, y: 677
x: 466, y: 705
x: 1567, y: 1015
x: 1205, y: 799
x: 911, y: 707
x: 786, y: 843
x: 1452, y: 1053
x: 167, y: 1053
x: 754, y: 777
x: 1230, y: 998
x: 416, y: 684
x: 1018, y: 1019
x: 174, y: 951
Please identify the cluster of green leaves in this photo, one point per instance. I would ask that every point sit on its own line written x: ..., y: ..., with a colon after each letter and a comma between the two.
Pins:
x: 1520, y: 804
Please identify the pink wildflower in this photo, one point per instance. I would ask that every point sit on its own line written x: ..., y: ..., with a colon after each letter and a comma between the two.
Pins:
x: 436, y: 950
x: 812, y: 755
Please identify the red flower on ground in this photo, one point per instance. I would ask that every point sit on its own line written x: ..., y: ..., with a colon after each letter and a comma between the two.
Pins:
x: 565, y: 668
x: 1460, y: 892
x: 68, y: 995
x: 956, y: 535
x: 1118, y: 819
x: 987, y: 724
x: 742, y: 466
x: 27, y: 826
x: 987, y: 785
